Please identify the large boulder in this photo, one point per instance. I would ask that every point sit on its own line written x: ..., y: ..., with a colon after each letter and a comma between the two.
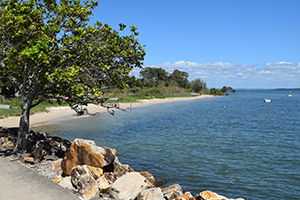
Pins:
x: 129, y: 186
x: 151, y: 194
x: 172, y: 192
x: 84, y: 178
x: 85, y: 152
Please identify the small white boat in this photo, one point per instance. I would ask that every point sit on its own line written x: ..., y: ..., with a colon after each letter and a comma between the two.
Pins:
x: 289, y: 95
x: 267, y: 100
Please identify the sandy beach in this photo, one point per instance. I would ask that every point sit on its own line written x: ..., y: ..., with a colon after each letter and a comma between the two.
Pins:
x: 55, y: 113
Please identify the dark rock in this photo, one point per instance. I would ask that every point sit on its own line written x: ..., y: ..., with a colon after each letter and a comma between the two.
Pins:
x: 42, y: 144
x: 39, y: 144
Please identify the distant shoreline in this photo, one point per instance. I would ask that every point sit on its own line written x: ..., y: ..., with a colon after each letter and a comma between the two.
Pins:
x: 55, y: 113
x: 287, y: 89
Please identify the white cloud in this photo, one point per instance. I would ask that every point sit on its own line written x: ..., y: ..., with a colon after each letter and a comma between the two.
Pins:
x: 271, y: 75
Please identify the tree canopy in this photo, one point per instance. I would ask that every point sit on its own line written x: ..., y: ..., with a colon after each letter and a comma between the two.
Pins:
x: 48, y: 51
x: 151, y: 76
x: 181, y: 78
x: 198, y: 85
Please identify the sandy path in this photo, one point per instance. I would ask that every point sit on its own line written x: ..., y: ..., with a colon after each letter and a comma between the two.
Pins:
x: 59, y: 112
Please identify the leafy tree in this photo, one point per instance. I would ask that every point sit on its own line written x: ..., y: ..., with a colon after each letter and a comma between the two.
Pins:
x: 152, y: 76
x: 49, y: 52
x: 181, y: 78
x: 198, y: 85
x: 226, y: 89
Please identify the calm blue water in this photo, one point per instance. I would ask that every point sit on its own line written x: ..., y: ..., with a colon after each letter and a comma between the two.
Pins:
x: 237, y: 146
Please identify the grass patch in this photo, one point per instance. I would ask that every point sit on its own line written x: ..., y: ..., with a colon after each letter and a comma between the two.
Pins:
x: 16, y: 111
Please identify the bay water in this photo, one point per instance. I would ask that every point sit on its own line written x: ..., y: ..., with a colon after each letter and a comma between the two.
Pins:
x: 236, y: 145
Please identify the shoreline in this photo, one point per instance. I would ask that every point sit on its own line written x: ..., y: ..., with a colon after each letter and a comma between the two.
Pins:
x: 58, y: 113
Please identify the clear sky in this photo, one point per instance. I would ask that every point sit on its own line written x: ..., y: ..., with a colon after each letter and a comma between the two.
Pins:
x: 237, y: 43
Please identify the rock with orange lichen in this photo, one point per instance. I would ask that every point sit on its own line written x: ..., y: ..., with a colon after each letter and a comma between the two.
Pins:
x: 209, y: 195
x: 85, y: 152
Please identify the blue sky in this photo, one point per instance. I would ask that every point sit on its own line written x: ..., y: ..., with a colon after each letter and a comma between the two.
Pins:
x: 238, y: 43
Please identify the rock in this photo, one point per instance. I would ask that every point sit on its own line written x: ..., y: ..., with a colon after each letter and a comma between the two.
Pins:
x: 56, y: 165
x: 149, y: 177
x: 85, y: 152
x: 151, y: 194
x: 42, y: 145
x: 7, y: 143
x: 29, y: 160
x: 107, y: 178
x: 64, y: 182
x: 105, y: 181
x: 172, y: 192
x: 84, y: 182
x: 186, y: 196
x: 129, y: 186
x: 121, y: 168
x: 209, y: 195
x: 5, y: 132
x: 197, y: 197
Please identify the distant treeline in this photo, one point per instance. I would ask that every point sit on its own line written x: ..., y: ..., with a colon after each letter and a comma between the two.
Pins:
x: 151, y: 77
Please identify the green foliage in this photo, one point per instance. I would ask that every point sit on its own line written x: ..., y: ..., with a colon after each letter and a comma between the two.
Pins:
x: 215, y: 91
x: 49, y: 51
x: 152, y: 77
x: 181, y: 78
x: 226, y: 89
x: 223, y: 91
x: 198, y: 85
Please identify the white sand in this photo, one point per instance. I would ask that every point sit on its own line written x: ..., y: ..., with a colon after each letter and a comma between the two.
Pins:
x: 60, y: 112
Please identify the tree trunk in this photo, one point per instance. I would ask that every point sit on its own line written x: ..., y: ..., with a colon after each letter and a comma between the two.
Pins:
x: 23, y: 128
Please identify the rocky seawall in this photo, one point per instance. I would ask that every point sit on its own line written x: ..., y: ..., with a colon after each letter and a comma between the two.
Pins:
x: 91, y: 171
